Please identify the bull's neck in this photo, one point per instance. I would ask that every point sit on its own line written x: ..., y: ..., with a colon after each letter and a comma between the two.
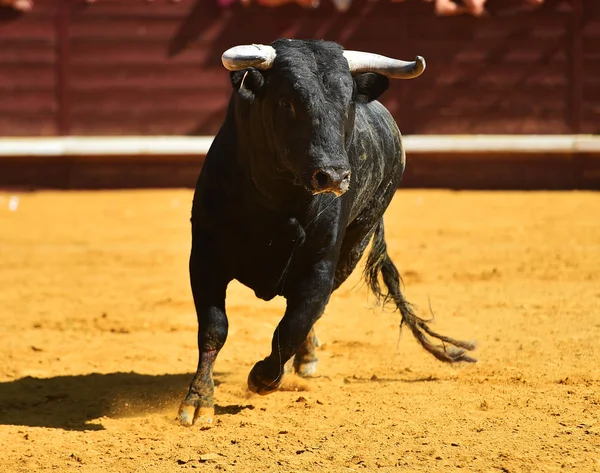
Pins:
x: 264, y: 183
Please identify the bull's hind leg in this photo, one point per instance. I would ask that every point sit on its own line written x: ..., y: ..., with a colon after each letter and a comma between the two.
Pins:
x: 305, y: 361
x: 209, y: 299
x: 379, y: 262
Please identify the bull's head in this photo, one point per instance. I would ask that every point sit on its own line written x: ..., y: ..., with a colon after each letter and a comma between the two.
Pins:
x: 303, y: 94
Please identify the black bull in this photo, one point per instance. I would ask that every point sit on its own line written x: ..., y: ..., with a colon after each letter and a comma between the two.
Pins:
x: 292, y: 190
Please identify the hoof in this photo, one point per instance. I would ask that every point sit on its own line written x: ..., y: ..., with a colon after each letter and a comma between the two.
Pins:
x: 259, y: 383
x: 307, y: 370
x: 205, y: 415
x: 188, y: 415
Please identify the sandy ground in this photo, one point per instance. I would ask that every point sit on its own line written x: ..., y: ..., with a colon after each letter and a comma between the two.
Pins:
x: 98, y: 342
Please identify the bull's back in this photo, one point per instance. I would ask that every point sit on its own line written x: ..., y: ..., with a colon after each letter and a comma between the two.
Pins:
x: 376, y: 155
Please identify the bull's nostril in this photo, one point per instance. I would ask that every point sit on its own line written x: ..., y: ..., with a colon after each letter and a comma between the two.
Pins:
x: 321, y: 179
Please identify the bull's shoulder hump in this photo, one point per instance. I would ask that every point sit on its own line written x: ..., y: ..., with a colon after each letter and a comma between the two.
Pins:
x: 375, y: 114
x: 374, y: 122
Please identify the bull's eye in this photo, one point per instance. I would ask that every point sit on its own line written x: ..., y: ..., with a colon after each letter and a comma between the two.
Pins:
x: 286, y: 105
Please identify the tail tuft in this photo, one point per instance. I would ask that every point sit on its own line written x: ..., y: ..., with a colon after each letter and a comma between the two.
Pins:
x: 379, y: 263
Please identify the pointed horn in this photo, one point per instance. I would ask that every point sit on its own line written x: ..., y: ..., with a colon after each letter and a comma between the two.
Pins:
x: 249, y: 55
x: 393, y: 68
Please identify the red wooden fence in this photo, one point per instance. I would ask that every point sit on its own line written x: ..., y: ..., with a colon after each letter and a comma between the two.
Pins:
x: 127, y: 67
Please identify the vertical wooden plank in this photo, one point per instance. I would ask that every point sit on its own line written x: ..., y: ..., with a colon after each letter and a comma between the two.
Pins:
x: 63, y: 101
x: 576, y: 85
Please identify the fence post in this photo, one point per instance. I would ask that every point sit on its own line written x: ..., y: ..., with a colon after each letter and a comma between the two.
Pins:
x: 61, y: 27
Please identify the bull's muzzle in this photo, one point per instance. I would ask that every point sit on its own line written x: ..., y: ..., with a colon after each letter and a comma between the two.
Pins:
x: 335, y: 180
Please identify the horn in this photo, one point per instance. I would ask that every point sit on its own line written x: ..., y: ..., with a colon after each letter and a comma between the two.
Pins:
x: 249, y: 55
x: 393, y: 68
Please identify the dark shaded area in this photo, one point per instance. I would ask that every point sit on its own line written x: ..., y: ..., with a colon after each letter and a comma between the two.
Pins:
x: 376, y: 379
x: 232, y: 409
x: 115, y: 172
x: 71, y: 402
x: 9, y: 14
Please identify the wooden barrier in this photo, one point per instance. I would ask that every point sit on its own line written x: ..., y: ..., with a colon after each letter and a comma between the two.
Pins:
x: 448, y: 161
x: 117, y: 67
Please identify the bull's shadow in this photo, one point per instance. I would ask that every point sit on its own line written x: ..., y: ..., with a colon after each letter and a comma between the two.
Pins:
x: 71, y: 402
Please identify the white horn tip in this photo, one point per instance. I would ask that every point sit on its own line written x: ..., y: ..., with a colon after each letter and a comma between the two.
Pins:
x: 420, y: 65
x: 248, y: 55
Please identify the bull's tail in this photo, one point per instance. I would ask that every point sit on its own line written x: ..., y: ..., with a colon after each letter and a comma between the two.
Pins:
x: 379, y: 262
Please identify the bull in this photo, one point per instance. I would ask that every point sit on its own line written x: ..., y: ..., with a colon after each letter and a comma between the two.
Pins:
x: 293, y: 189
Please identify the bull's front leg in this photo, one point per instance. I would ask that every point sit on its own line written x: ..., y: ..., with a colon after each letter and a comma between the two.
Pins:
x: 305, y: 304
x: 209, y: 298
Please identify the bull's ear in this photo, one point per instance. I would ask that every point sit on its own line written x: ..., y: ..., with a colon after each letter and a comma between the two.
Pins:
x: 247, y: 82
x: 369, y: 86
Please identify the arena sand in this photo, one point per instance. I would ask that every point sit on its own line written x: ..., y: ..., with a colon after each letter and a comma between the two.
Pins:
x: 98, y: 337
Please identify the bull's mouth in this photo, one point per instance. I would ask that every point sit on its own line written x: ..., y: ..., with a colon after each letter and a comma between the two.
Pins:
x: 336, y: 191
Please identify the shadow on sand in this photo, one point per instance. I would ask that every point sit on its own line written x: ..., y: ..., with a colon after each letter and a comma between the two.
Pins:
x: 72, y: 402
